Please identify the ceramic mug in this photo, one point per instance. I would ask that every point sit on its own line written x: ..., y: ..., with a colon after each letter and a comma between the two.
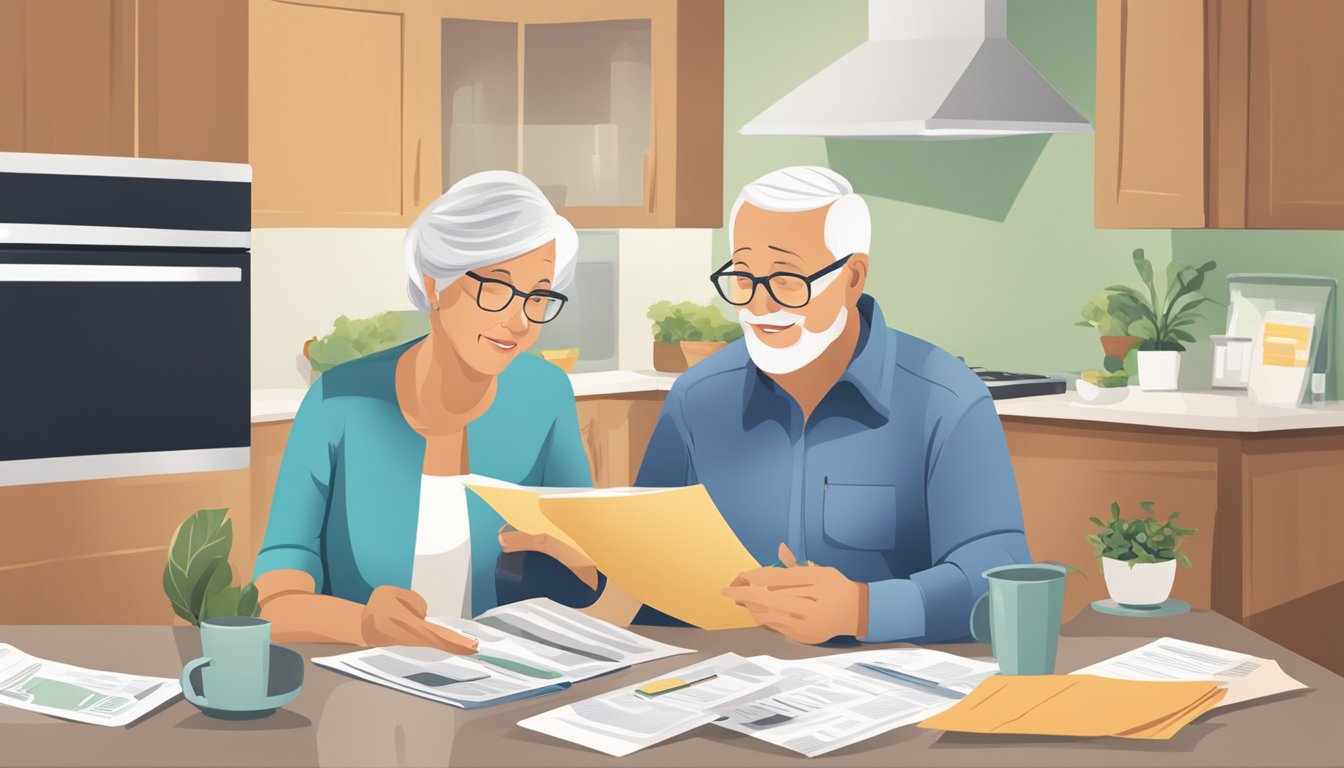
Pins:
x: 236, y: 667
x: 1019, y: 616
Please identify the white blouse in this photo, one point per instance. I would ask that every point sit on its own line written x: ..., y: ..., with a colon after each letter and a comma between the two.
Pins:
x: 442, y: 570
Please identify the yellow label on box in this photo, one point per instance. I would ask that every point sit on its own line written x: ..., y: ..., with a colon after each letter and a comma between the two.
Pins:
x: 1286, y: 345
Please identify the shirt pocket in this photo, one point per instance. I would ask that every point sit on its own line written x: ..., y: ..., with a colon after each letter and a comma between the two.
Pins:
x: 860, y: 515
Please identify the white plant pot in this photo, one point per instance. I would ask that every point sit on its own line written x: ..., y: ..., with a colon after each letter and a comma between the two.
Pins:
x: 1141, y: 584
x: 1158, y: 371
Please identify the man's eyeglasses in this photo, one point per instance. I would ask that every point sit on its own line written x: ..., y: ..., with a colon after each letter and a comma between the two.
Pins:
x: 539, y: 306
x: 788, y: 289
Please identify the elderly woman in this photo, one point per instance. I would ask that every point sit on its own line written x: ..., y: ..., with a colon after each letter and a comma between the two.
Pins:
x: 370, y: 528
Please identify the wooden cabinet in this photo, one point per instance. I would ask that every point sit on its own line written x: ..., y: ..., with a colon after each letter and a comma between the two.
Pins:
x: 613, y: 107
x: 146, y: 78
x: 193, y: 79
x: 1220, y: 113
x: 67, y: 76
x: 343, y: 123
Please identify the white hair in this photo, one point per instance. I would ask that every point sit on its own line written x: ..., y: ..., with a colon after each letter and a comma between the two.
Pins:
x: 849, y: 227
x: 481, y: 220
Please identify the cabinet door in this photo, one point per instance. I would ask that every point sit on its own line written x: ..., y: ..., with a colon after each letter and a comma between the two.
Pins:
x: 67, y: 76
x: 193, y: 79
x: 1295, y: 162
x: 338, y: 118
x: 1150, y: 125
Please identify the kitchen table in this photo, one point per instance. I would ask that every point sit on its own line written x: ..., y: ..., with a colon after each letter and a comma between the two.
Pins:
x: 341, y: 721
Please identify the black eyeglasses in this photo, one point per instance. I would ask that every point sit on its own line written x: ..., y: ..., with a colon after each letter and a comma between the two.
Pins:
x: 788, y: 289
x: 539, y: 306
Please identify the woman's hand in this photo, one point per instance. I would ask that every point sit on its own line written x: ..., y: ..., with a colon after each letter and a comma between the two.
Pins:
x: 512, y: 540
x: 396, y: 616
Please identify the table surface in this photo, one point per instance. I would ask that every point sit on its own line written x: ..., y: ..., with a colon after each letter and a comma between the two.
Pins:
x: 341, y: 721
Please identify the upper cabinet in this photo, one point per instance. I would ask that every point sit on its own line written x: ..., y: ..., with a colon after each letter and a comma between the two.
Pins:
x: 341, y: 119
x: 146, y: 78
x: 67, y: 76
x: 1220, y: 113
x: 613, y: 107
x: 362, y: 112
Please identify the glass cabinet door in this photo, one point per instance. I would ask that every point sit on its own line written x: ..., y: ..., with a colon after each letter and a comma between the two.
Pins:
x: 480, y: 97
x: 587, y: 109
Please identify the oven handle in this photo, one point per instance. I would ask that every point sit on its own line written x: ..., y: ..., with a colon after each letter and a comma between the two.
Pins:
x: 116, y: 273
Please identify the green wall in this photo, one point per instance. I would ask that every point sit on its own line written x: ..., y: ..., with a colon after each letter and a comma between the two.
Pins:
x: 985, y: 247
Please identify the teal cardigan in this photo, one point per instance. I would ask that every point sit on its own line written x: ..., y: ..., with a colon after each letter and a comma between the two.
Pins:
x: 347, y: 499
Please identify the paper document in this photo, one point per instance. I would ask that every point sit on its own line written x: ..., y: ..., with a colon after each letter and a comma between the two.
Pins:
x: 75, y: 693
x: 525, y: 649
x: 625, y: 721
x: 669, y: 548
x: 1245, y: 677
x: 824, y: 704
x: 1079, y: 705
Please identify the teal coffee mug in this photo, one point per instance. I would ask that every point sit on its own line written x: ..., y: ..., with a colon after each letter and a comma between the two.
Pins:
x: 236, y: 667
x: 1019, y: 616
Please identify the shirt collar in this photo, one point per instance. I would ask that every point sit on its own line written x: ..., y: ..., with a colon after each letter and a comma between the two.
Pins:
x: 869, y: 372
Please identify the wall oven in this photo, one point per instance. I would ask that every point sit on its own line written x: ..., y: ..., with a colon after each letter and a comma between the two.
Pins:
x: 125, y: 313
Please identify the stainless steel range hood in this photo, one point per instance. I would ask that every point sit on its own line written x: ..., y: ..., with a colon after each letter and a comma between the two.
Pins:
x: 931, y: 69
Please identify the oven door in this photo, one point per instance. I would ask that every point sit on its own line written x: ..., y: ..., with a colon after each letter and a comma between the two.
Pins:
x: 122, y: 361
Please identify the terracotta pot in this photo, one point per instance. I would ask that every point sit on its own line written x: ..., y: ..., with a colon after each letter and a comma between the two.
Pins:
x: 695, y: 351
x: 1117, y: 346
x: 668, y: 357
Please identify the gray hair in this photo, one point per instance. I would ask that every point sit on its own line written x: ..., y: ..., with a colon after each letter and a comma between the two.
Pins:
x: 482, y: 220
x: 849, y: 227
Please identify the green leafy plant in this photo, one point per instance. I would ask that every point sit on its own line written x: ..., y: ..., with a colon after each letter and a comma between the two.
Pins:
x: 1161, y: 323
x: 198, y: 578
x: 689, y: 321
x: 352, y: 339
x: 1141, y: 540
x: 1108, y: 316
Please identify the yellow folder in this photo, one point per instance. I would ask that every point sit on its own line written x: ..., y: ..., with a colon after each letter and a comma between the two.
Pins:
x: 669, y: 548
x: 1079, y: 705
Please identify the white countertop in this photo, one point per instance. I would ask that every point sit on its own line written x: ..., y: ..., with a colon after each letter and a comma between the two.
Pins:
x: 282, y: 404
x: 1212, y: 410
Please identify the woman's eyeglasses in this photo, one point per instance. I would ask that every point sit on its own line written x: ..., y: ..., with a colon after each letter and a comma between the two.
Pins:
x: 540, y: 306
x: 788, y: 289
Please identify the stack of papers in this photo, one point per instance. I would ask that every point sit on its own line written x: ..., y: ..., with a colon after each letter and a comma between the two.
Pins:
x: 524, y: 649
x: 1245, y: 677
x: 75, y: 693
x: 1079, y: 705
x: 810, y: 707
x: 639, y: 538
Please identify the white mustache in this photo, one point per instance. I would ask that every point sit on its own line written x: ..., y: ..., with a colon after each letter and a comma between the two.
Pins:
x: 774, y: 318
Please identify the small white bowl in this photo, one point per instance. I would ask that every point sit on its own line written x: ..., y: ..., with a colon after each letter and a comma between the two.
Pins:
x: 1094, y: 395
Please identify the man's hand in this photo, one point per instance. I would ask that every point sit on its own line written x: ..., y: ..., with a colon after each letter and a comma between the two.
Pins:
x: 809, y: 604
x: 512, y: 540
x: 396, y: 616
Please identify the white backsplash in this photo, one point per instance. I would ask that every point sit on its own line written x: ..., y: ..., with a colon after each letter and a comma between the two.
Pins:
x: 302, y: 279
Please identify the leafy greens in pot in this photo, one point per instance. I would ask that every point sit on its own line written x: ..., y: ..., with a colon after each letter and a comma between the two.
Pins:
x: 353, y: 339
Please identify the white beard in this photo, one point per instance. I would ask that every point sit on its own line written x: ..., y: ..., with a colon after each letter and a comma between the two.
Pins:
x: 781, y: 360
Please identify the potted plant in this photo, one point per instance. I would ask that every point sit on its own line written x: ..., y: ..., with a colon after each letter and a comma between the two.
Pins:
x: 686, y: 333
x: 198, y: 578
x: 350, y: 339
x: 1138, y: 557
x: 1112, y: 320
x: 1161, y: 322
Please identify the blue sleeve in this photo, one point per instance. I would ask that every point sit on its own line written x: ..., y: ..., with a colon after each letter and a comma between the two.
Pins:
x: 302, y: 495
x: 975, y: 523
x: 566, y: 463
x: 667, y: 461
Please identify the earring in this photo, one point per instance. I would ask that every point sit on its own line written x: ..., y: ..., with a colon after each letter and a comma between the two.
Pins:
x: 434, y: 306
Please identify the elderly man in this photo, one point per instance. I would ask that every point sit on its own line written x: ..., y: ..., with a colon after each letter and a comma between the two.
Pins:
x: 872, y: 462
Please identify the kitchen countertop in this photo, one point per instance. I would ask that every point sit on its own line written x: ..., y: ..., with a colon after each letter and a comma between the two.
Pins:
x: 282, y: 404
x: 1209, y: 410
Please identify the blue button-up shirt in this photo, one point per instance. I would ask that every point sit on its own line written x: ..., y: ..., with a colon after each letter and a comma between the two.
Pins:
x: 901, y: 477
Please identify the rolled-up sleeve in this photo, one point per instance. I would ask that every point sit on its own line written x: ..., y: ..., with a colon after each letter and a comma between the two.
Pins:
x: 302, y: 495
x: 975, y: 523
